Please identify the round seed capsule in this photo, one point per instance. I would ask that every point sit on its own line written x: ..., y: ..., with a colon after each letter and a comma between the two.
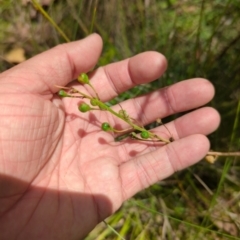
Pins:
x: 83, y: 78
x: 83, y: 107
x: 62, y: 93
x: 105, y: 126
x: 93, y: 102
x: 144, y: 134
x: 210, y: 158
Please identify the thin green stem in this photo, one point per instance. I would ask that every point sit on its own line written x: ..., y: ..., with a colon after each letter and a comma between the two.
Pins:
x: 112, y: 229
x: 93, y: 89
x: 104, y: 107
x: 236, y: 123
x: 185, y: 222
x: 197, y: 48
x: 226, y: 167
x: 94, y: 16
x: 45, y: 14
x: 74, y: 90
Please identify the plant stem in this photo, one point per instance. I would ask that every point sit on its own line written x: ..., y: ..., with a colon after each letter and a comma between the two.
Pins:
x: 94, y: 16
x: 103, y: 106
x: 112, y: 229
x: 45, y: 14
x: 227, y: 154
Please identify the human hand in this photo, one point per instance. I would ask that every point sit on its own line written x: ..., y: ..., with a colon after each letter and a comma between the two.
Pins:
x: 60, y: 174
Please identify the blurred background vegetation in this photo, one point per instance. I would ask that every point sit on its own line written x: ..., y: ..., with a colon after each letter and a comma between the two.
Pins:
x: 200, y: 39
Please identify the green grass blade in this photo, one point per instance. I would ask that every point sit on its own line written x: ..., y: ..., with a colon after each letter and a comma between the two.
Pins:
x: 227, y: 165
x: 45, y: 14
x: 187, y: 223
x: 113, y: 230
x: 94, y: 16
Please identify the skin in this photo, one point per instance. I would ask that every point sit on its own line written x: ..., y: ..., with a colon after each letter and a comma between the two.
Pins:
x: 60, y: 175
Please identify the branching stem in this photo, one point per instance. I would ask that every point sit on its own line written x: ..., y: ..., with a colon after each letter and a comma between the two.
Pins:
x: 95, y: 101
x: 226, y: 154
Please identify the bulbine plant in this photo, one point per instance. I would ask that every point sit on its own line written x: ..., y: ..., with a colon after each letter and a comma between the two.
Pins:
x: 135, y: 130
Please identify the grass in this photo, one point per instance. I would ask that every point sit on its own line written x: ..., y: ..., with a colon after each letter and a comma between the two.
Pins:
x: 199, y: 38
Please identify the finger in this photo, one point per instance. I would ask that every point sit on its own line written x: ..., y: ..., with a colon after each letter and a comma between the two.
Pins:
x: 201, y: 121
x: 57, y: 66
x: 115, y: 78
x: 147, y: 169
x: 204, y: 121
x: 179, y: 97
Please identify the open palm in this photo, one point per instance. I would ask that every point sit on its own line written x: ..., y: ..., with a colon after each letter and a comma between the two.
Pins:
x: 59, y: 173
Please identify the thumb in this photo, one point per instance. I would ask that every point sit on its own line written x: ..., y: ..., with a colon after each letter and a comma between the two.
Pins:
x: 57, y: 66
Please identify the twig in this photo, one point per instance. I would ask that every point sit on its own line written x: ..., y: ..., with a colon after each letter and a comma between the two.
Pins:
x: 227, y: 154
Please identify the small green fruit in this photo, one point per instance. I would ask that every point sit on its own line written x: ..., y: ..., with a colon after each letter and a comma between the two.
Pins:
x: 93, y: 102
x: 106, y: 127
x: 83, y: 78
x: 62, y: 93
x: 145, y: 134
x: 83, y: 107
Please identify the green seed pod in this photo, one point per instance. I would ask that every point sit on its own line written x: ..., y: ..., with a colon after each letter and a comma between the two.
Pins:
x: 144, y: 134
x: 83, y: 78
x: 93, y: 102
x: 62, y: 93
x: 106, y: 127
x: 83, y: 107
